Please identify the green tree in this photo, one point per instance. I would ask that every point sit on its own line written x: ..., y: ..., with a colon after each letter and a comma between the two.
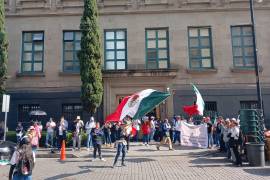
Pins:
x: 3, y: 49
x: 90, y: 58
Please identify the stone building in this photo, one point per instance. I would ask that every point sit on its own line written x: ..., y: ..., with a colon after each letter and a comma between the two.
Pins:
x: 159, y: 44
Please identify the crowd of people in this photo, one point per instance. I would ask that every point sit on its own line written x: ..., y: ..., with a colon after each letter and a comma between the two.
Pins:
x: 225, y: 134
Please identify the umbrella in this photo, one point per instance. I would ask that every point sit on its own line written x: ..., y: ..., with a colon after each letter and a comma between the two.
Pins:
x: 38, y: 113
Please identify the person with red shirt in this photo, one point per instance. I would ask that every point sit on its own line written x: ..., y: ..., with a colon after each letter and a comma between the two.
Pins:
x: 146, y: 130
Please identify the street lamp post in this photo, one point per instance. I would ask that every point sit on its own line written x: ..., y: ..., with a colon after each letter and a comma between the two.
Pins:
x: 259, y: 93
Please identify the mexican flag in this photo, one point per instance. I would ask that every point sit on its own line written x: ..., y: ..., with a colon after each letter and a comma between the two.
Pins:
x: 197, y: 108
x: 199, y: 102
x: 137, y: 105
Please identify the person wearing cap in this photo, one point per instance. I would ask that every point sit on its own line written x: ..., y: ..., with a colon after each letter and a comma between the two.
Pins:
x: 50, y: 125
x: 23, y: 151
x: 77, y: 132
x: 235, y: 137
x: 88, y: 127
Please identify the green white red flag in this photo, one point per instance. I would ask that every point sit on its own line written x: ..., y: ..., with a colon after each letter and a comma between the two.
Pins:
x: 137, y: 105
x: 198, y: 108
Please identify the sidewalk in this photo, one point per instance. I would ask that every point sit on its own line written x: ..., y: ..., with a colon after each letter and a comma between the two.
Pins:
x: 146, y: 163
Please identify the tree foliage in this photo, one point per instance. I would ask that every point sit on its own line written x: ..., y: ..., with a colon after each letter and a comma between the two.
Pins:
x: 3, y: 49
x: 90, y: 58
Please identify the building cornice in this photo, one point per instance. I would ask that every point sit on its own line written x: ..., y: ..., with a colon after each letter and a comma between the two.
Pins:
x: 77, y: 11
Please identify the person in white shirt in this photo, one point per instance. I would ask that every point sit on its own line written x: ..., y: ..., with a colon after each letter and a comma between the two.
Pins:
x: 152, y: 128
x: 234, y: 141
x: 177, y: 134
x: 50, y: 125
x: 136, y: 124
x: 88, y: 127
x: 77, y: 132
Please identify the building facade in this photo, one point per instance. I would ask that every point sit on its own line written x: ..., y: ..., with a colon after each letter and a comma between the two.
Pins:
x: 158, y: 44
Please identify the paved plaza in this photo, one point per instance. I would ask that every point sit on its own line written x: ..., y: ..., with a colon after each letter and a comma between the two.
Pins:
x: 146, y: 163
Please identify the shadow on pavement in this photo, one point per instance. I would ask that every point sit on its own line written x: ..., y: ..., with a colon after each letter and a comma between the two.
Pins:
x: 139, y: 160
x: 259, y: 172
x: 211, y: 165
x: 94, y: 167
x: 146, y: 150
x: 206, y: 161
x: 61, y: 176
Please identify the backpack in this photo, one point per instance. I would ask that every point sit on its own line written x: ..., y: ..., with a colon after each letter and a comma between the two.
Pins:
x: 24, y: 165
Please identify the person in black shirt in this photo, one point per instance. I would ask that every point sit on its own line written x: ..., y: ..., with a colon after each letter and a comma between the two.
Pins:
x: 97, y: 134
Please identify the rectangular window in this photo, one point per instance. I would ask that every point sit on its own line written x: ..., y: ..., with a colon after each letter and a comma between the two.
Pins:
x: 210, y: 109
x: 23, y: 112
x: 71, y: 46
x: 71, y: 111
x: 157, y: 48
x: 200, y: 47
x: 249, y: 105
x: 242, y: 46
x: 32, y: 52
x: 115, y: 53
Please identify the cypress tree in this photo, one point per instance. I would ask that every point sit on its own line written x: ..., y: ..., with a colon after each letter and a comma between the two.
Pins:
x: 3, y: 49
x: 90, y: 58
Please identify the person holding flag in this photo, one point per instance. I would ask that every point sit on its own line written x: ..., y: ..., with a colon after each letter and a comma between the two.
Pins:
x: 121, y: 144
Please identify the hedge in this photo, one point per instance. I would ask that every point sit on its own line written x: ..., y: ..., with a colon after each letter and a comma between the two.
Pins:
x: 11, y: 136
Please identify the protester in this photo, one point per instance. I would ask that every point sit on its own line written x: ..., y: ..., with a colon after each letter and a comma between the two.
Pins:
x: 61, y: 132
x: 158, y: 131
x: 38, y: 130
x: 89, y: 126
x: 226, y: 137
x: 207, y: 120
x: 121, y: 145
x: 235, y: 141
x: 19, y: 131
x: 165, y: 135
x: 50, y: 125
x: 172, y: 129
x: 152, y: 128
x: 33, y: 137
x: 218, y: 127
x: 136, y: 125
x: 177, y: 130
x: 77, y: 133
x: 22, y: 161
x: 113, y: 132
x: 107, y: 134
x: 145, y: 131
x: 97, y: 135
x: 190, y: 121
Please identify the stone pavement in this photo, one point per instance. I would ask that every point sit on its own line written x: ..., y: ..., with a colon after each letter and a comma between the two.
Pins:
x: 146, y: 163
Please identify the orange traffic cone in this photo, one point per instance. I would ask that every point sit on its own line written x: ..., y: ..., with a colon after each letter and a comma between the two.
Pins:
x: 63, y: 151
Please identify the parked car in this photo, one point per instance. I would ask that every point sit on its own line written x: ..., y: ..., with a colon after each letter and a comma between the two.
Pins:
x: 7, y: 148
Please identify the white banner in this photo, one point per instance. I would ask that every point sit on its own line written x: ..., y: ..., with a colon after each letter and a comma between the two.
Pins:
x: 192, y: 135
